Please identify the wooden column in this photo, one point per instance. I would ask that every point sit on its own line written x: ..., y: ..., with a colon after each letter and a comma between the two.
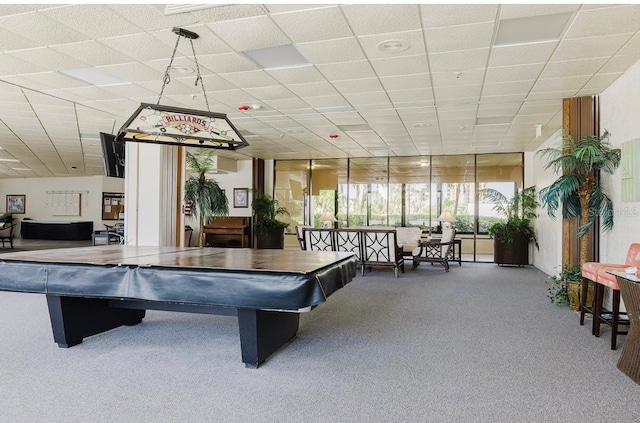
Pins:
x: 580, y: 117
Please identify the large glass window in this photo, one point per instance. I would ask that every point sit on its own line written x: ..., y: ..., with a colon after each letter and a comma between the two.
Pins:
x: 419, y: 191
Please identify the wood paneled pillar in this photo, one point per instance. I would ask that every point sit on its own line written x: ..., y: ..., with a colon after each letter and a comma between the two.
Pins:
x: 580, y: 117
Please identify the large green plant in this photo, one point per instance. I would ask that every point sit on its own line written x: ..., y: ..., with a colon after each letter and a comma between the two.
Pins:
x: 576, y: 190
x: 266, y: 211
x: 518, y: 211
x: 204, y: 195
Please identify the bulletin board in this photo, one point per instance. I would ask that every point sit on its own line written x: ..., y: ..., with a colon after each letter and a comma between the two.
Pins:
x: 112, y: 206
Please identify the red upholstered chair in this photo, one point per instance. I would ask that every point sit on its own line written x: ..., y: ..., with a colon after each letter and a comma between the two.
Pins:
x: 598, y: 273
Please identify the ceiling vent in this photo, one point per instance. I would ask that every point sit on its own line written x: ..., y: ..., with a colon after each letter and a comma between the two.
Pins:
x: 174, y: 9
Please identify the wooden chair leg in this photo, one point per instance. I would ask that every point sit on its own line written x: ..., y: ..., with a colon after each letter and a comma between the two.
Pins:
x: 597, y: 309
x: 615, y: 312
x: 583, y: 300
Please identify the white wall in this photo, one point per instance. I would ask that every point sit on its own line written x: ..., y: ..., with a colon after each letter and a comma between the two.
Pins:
x: 549, y: 231
x: 619, y: 111
x: 620, y: 115
x: 38, y: 205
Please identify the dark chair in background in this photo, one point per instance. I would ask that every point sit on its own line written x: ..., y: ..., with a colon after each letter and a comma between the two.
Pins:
x: 188, y: 231
x: 6, y: 230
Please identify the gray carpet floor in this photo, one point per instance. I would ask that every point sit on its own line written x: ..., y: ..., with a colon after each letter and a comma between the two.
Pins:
x: 481, y: 343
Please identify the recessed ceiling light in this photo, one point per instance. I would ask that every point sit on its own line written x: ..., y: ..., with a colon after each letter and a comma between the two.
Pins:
x: 393, y: 46
x: 20, y: 168
x: 295, y: 131
x: 9, y: 160
x: 422, y: 125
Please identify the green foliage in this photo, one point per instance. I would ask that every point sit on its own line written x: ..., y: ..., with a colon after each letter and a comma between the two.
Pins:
x: 577, y: 161
x: 518, y: 211
x: 204, y: 195
x: 557, y: 291
x: 266, y: 210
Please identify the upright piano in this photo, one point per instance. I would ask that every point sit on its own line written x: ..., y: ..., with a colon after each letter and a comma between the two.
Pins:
x: 228, y: 231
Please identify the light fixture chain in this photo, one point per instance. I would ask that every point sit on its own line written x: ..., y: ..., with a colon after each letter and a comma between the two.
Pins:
x: 199, y: 77
x: 166, y: 79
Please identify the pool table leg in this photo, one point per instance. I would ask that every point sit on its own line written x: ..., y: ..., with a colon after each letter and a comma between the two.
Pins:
x: 263, y: 332
x: 75, y: 318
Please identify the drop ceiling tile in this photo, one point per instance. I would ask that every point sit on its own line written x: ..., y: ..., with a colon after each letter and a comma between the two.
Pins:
x: 331, y: 51
x: 588, y: 23
x: 250, y: 79
x: 415, y: 40
x: 257, y: 32
x: 150, y: 17
x: 276, y: 92
x: 287, y: 104
x: 502, y: 98
x: 49, y: 59
x: 464, y: 91
x: 560, y: 84
x: 512, y: 11
x: 313, y: 89
x: 632, y: 47
x: 326, y: 101
x: 583, y: 48
x: 207, y: 42
x: 226, y: 63
x: 210, y: 83
x: 347, y: 70
x: 379, y: 98
x: 55, y: 80
x: 134, y: 72
x: 540, y: 107
x: 458, y: 61
x: 406, y: 82
x: 27, y: 83
x: 400, y: 66
x: 11, y: 41
x: 460, y: 37
x: 522, y: 54
x: 457, y: 78
x: 140, y: 47
x: 38, y: 27
x: 498, y: 109
x: 358, y: 85
x: 84, y: 18
x: 573, y: 67
x: 297, y: 75
x: 233, y: 98
x: 601, y: 81
x: 507, y: 88
x: 513, y: 73
x: 129, y: 90
x: 313, y: 24
x: 439, y: 15
x: 405, y: 96
x: 92, y: 52
x: 619, y: 64
x: 551, y: 95
x: 381, y: 18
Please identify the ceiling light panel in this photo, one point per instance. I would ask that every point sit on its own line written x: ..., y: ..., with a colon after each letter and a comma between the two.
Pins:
x: 531, y: 29
x: 285, y: 56
x: 258, y: 32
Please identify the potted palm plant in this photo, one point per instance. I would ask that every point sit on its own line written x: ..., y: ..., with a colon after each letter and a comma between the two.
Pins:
x: 565, y: 287
x: 205, y: 195
x: 513, y: 235
x: 576, y: 190
x: 268, y: 229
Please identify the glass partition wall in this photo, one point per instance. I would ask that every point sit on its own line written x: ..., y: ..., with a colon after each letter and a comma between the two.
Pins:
x: 401, y: 191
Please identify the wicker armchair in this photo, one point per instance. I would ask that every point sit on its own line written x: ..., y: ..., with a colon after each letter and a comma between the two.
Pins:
x: 435, y: 251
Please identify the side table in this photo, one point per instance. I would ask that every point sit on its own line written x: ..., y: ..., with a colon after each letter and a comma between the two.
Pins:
x: 629, y: 362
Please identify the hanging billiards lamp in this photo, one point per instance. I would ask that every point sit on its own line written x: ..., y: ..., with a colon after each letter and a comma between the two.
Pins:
x: 158, y: 124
